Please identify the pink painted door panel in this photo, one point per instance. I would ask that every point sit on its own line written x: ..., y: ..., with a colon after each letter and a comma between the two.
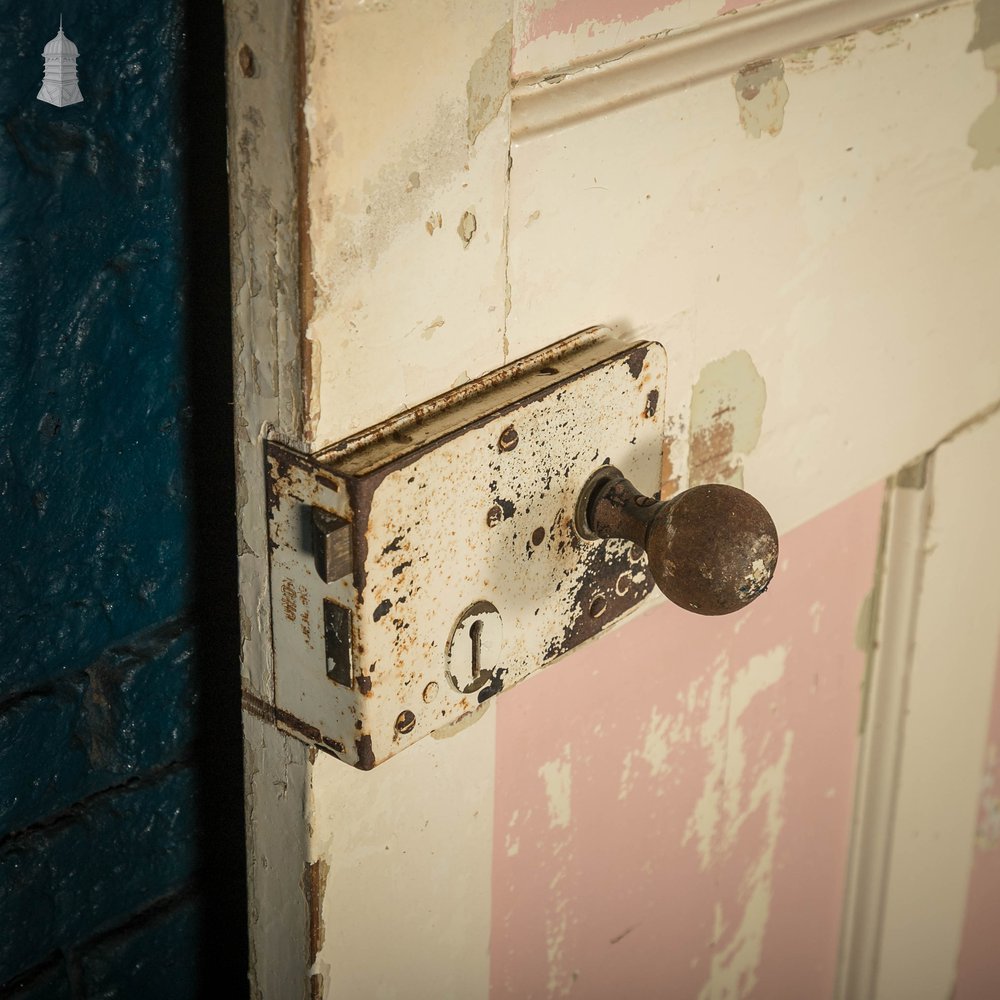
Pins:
x: 673, y: 803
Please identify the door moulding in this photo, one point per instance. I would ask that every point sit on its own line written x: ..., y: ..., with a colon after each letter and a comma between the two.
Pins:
x: 930, y: 681
x: 665, y: 62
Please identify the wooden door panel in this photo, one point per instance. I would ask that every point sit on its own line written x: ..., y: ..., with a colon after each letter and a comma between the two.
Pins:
x: 841, y: 236
x: 802, y: 211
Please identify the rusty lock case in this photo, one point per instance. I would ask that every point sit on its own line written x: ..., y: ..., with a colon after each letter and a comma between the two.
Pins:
x: 380, y: 543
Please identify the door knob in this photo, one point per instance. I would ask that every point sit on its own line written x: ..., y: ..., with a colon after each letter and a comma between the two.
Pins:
x: 711, y: 549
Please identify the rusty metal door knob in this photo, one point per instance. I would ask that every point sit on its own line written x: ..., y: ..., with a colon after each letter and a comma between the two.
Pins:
x: 712, y: 549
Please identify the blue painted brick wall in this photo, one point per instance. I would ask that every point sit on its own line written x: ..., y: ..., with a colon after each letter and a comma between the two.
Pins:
x: 101, y: 844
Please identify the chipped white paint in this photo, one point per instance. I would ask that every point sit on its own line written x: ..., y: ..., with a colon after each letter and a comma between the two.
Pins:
x: 407, y: 110
x: 709, y: 47
x: 275, y: 773
x: 816, y: 615
x: 737, y: 787
x: 793, y: 249
x: 546, y: 48
x: 409, y: 845
x: 558, y: 777
x: 261, y: 46
x: 724, y: 804
x: 658, y: 736
x: 733, y: 966
x: 512, y: 843
x: 560, y: 980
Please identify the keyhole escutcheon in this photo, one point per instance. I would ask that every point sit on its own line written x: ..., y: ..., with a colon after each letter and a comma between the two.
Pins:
x: 475, y: 647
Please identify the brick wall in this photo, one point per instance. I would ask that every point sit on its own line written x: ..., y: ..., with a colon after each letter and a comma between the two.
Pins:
x: 120, y: 798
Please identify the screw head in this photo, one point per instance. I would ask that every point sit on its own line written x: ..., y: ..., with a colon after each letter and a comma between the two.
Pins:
x: 538, y: 536
x: 598, y: 606
x: 405, y: 722
x: 494, y: 516
x: 431, y: 692
x: 508, y: 439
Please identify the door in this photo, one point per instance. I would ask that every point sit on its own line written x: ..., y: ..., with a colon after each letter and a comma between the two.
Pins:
x: 798, y: 201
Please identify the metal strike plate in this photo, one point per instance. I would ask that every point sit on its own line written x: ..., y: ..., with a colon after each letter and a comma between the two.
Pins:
x: 448, y: 533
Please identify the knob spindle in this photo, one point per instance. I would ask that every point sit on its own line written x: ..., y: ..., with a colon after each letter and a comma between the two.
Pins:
x: 712, y: 549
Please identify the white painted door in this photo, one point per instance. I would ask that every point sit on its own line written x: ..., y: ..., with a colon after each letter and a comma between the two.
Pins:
x: 799, y: 201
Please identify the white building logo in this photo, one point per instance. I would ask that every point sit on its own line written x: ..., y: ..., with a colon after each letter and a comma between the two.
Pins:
x: 59, y: 86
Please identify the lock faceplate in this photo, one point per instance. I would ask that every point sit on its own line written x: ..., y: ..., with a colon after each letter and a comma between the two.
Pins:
x: 381, y: 544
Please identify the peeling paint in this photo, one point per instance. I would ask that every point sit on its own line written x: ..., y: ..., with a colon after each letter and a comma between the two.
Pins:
x: 314, y: 886
x: 727, y: 409
x: 557, y: 775
x: 469, y: 719
x: 736, y: 789
x: 659, y: 734
x: 428, y: 330
x: 833, y: 53
x: 489, y: 81
x: 698, y: 819
x: 761, y: 95
x: 467, y: 227
x: 984, y: 135
x: 395, y: 610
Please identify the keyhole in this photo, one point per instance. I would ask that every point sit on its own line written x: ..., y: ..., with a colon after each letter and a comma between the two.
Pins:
x: 476, y: 638
x: 474, y: 648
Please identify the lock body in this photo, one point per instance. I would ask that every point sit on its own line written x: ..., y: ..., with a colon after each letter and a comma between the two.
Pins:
x: 449, y: 535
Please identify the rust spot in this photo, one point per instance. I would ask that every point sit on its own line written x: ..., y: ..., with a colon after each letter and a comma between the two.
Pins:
x: 669, y: 481
x: 494, y: 516
x: 396, y: 570
x: 712, y: 458
x: 604, y: 565
x: 288, y: 600
x: 256, y: 707
x: 261, y: 709
x: 393, y: 546
x: 506, y: 508
x: 327, y: 480
x: 382, y: 610
x: 296, y: 725
x: 635, y: 361
x: 508, y: 439
x: 366, y: 757
x: 246, y: 60
x: 314, y: 886
x: 316, y: 986
x: 364, y: 684
x: 652, y: 401
x: 335, y: 745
